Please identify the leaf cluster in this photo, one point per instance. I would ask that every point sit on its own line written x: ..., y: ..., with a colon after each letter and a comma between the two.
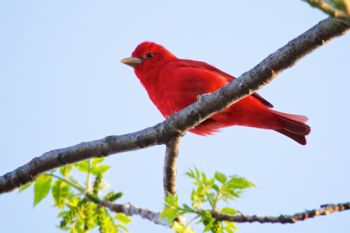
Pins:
x: 79, y: 203
x: 206, y: 196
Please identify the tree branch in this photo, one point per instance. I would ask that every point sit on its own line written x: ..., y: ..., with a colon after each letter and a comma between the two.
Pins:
x: 82, y: 151
x: 191, y: 116
x: 154, y: 217
x: 130, y: 210
x: 324, y: 210
x: 169, y: 174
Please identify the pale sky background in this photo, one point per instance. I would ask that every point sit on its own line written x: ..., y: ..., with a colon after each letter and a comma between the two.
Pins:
x: 61, y: 83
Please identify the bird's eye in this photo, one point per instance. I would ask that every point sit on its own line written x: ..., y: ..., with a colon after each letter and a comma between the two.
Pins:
x: 149, y: 55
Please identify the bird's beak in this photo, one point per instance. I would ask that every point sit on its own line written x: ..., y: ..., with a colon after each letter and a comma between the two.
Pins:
x: 131, y: 61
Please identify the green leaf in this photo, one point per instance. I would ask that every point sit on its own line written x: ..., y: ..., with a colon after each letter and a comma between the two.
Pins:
x: 172, y: 200
x: 239, y: 183
x: 105, y: 222
x: 79, y: 225
x: 100, y: 169
x: 96, y: 161
x: 230, y: 227
x: 123, y: 218
x: 180, y: 228
x: 24, y: 187
x: 112, y: 196
x: 73, y: 201
x: 122, y: 228
x: 196, y: 198
x: 228, y: 210
x: 208, y: 222
x: 42, y: 188
x: 187, y: 209
x: 169, y: 214
x: 60, y: 193
x: 65, y: 170
x: 171, y: 210
x: 220, y: 177
x: 216, y: 188
x: 198, y: 174
x: 204, y: 178
x: 90, y: 215
x: 217, y: 227
x: 97, y: 184
x: 229, y: 192
x: 82, y: 166
x: 190, y: 174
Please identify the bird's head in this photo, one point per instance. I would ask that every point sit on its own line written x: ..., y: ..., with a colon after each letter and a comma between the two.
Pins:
x: 148, y: 54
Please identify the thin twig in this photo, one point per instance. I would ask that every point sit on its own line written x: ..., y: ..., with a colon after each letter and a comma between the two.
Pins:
x: 169, y: 174
x: 189, y: 117
x: 324, y: 210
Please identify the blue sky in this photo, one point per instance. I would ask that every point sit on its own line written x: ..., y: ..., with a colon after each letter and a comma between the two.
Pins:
x: 61, y: 83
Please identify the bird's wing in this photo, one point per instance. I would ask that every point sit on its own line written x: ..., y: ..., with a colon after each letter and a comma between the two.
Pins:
x: 203, y: 65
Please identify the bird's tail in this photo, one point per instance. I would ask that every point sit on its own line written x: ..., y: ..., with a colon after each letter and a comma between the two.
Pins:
x: 294, y: 126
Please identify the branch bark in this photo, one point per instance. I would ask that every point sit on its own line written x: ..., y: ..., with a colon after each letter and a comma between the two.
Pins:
x: 181, y: 121
x: 169, y: 174
x: 154, y: 217
x: 283, y: 219
x: 130, y: 210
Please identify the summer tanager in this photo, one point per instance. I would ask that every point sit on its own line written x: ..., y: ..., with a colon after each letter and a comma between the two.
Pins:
x: 173, y: 83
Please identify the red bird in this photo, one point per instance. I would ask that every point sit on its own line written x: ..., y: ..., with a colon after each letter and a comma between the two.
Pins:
x: 173, y: 84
